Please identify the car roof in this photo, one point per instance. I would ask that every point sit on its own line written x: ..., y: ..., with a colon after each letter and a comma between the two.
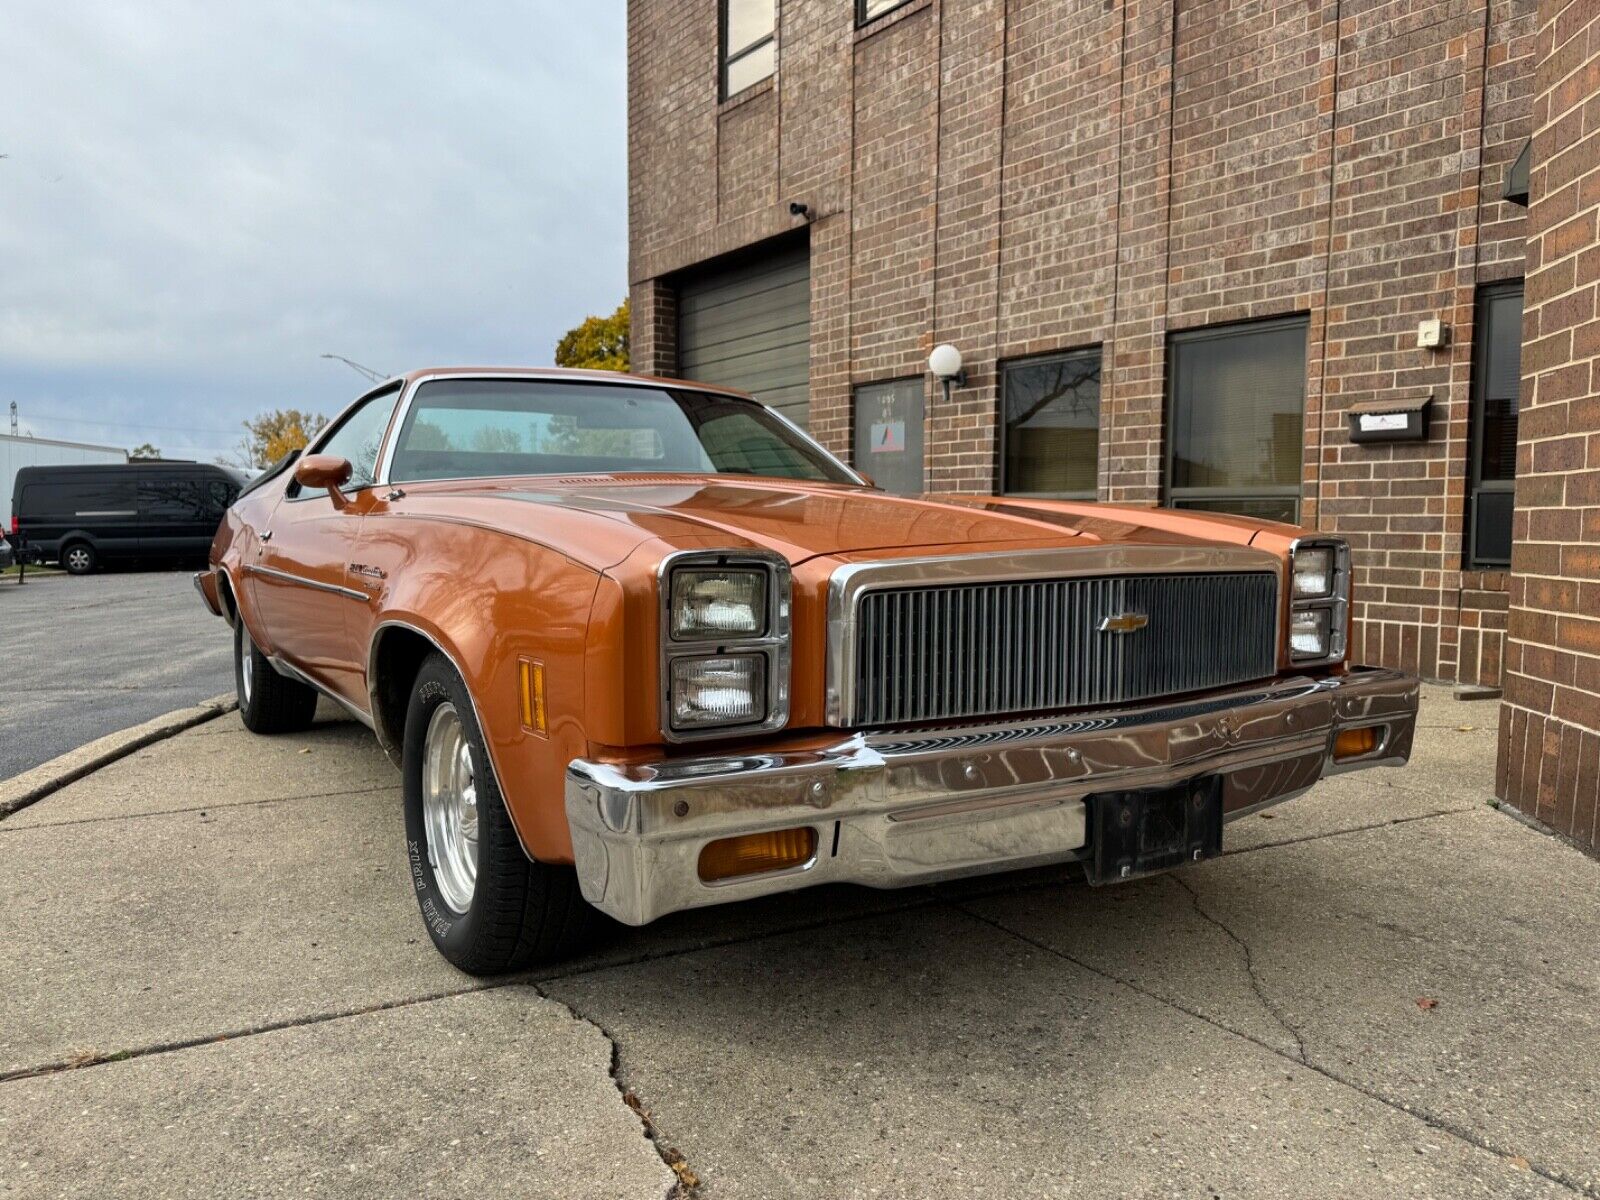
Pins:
x: 567, y: 374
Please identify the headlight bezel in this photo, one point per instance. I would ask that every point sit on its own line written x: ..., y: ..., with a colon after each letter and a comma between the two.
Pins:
x: 772, y: 643
x: 1335, y: 601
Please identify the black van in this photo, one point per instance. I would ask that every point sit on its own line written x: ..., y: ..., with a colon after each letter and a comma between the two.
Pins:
x: 84, y: 516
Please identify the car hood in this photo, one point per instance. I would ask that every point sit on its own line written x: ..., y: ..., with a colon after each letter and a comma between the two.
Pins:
x: 601, y: 520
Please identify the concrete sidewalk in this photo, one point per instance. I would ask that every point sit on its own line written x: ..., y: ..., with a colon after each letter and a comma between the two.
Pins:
x: 213, y: 980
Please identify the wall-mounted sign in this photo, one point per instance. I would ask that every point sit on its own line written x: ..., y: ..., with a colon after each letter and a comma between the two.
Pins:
x: 1403, y: 419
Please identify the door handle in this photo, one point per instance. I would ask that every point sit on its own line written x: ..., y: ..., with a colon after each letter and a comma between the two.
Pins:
x: 266, y: 535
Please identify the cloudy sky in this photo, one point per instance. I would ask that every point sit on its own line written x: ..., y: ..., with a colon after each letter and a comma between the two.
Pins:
x: 199, y: 199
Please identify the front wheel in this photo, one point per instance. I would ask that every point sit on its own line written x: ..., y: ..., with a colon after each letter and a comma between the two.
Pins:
x: 488, y: 908
x: 268, y: 702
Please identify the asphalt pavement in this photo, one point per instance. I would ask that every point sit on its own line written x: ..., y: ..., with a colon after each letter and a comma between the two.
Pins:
x: 84, y: 656
x: 214, y: 981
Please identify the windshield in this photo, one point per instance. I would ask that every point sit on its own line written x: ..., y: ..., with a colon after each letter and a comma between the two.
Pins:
x: 471, y: 428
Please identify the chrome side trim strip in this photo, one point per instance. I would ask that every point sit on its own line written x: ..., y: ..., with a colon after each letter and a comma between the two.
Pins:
x: 302, y: 581
x: 851, y: 581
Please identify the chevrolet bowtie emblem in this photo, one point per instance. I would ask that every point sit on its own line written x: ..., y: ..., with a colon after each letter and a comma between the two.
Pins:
x: 1123, y: 623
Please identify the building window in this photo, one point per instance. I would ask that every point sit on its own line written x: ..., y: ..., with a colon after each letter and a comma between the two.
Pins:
x: 1496, y: 381
x: 1050, y: 431
x: 888, y: 436
x: 871, y: 10
x: 1236, y: 418
x: 749, y: 48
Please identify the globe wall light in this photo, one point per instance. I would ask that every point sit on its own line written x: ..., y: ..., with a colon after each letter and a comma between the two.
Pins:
x: 945, y: 364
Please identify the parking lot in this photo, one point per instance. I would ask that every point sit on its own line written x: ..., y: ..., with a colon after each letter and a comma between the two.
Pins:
x: 84, y: 656
x: 213, y: 980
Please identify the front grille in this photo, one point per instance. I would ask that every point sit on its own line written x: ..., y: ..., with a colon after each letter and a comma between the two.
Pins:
x: 987, y: 649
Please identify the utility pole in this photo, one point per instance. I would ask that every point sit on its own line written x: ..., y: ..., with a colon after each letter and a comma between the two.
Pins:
x: 13, y: 418
x: 371, y: 375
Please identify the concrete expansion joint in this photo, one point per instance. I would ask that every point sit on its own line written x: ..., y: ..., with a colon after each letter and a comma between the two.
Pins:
x: 687, y: 1183
x: 1256, y: 985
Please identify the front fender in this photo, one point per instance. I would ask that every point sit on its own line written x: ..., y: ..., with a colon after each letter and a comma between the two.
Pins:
x: 488, y: 602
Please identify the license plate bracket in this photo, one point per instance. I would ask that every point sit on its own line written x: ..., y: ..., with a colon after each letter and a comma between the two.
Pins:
x: 1155, y: 829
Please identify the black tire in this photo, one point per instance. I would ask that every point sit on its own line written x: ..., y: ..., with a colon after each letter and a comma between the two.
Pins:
x: 79, y: 558
x: 268, y: 702
x: 521, y: 912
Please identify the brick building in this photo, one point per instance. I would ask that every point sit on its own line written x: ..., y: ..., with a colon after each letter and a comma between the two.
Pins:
x: 1550, y: 721
x: 1184, y: 246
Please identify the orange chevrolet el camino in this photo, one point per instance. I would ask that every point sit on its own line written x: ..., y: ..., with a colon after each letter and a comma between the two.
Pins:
x: 639, y: 645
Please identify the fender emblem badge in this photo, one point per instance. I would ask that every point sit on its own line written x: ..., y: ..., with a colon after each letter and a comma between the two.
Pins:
x: 1123, y: 623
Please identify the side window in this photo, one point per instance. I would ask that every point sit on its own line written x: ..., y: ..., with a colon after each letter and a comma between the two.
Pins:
x: 360, y: 437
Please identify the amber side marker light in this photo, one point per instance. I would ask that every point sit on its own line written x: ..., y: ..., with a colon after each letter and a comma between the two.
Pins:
x: 531, y: 685
x: 757, y: 853
x: 1353, y: 743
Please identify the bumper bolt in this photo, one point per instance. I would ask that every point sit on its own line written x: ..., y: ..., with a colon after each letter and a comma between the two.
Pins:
x: 681, y: 809
x: 969, y: 772
x: 818, y: 790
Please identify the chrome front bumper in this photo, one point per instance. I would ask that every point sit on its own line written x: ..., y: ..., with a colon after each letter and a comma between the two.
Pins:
x: 892, y: 809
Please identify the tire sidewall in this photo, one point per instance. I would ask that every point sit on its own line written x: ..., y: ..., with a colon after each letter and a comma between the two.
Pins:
x: 87, y: 549
x: 455, y: 934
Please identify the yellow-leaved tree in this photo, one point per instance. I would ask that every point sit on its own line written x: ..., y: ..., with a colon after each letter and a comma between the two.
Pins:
x: 600, y: 343
x: 270, y: 436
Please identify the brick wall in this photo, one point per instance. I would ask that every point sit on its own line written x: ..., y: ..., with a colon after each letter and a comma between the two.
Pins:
x: 1550, y: 721
x: 1022, y: 176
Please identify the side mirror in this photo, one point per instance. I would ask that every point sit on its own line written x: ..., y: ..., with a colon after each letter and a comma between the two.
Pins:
x: 323, y: 471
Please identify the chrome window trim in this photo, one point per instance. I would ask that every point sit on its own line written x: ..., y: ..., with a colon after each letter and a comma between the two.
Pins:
x: 850, y: 582
x: 774, y: 645
x: 1337, y: 603
x: 409, y: 392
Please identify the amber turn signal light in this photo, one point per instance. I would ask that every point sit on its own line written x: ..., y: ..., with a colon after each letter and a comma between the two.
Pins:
x: 530, y: 673
x: 757, y: 853
x: 1353, y: 743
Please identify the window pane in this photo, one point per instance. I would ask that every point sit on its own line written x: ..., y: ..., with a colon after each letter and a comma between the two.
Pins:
x: 1052, y: 419
x: 748, y: 22
x: 359, y: 438
x: 751, y: 69
x: 1238, y: 416
x: 876, y: 8
x: 1491, y: 528
x: 1500, y: 378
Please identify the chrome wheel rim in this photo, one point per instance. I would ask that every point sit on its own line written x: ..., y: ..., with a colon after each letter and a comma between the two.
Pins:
x: 78, y: 559
x: 450, y: 808
x: 247, y: 667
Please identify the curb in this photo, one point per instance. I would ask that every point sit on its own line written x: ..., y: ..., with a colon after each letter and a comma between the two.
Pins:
x: 35, y: 784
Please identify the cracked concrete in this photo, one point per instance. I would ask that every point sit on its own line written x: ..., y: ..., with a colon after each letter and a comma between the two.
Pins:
x: 211, y: 951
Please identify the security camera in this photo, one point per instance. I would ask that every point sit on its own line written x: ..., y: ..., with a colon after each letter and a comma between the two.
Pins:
x: 796, y: 209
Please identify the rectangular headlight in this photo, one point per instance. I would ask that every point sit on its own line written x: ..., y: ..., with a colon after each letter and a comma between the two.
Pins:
x: 1309, y: 630
x: 709, y: 603
x: 1313, y: 569
x: 730, y: 690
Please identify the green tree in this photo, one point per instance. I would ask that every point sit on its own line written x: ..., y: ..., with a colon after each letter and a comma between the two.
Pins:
x: 270, y: 436
x: 144, y: 451
x: 600, y: 343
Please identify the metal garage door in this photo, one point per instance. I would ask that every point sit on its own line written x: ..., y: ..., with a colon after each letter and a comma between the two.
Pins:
x: 749, y: 327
